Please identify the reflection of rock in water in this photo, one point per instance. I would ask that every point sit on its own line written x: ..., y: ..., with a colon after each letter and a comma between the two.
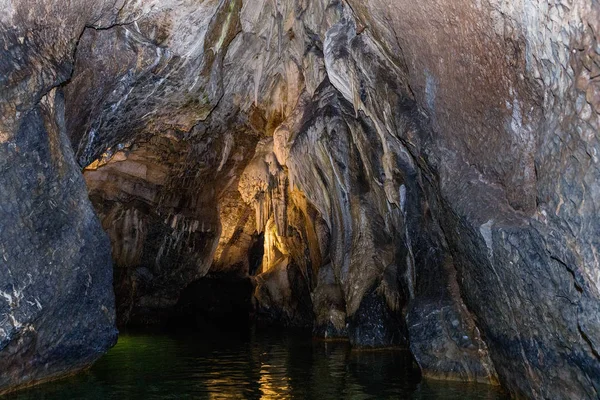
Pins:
x: 373, y: 369
x: 264, y: 365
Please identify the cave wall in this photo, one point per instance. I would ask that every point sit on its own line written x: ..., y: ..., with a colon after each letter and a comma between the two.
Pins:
x: 506, y: 134
x: 56, y: 303
x: 423, y: 173
x: 375, y: 261
x: 56, y: 288
x: 213, y: 90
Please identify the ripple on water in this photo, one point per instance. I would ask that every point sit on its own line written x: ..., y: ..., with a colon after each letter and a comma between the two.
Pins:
x: 265, y: 365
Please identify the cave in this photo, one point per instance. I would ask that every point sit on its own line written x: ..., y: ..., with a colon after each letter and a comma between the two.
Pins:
x: 419, y: 177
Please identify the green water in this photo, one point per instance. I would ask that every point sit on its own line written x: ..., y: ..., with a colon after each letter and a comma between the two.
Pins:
x: 264, y: 365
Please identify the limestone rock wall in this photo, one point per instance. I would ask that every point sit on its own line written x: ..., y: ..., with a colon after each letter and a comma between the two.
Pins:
x: 508, y: 103
x: 56, y: 302
x: 56, y: 298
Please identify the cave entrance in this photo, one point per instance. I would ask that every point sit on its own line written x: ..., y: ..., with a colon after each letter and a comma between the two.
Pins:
x: 182, y: 238
x: 233, y: 262
x: 195, y: 240
x: 211, y: 228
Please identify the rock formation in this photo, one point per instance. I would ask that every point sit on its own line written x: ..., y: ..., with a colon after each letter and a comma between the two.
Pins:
x: 421, y: 174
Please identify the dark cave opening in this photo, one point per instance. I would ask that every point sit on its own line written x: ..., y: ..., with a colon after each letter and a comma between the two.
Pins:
x: 221, y: 301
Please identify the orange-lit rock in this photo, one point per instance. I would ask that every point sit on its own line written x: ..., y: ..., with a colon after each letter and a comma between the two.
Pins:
x: 163, y: 220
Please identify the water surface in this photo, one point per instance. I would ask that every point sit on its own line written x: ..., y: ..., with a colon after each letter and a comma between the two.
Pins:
x: 256, y: 365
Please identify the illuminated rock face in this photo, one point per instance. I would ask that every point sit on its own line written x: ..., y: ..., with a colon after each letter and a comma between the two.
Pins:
x: 415, y: 173
x: 159, y: 203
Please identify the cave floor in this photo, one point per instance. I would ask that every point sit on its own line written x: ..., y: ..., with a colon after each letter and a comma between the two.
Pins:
x: 250, y: 364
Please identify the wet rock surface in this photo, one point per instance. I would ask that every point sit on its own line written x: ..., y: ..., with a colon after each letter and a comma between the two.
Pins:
x: 502, y: 215
x: 56, y: 298
x: 56, y: 302
x: 418, y: 173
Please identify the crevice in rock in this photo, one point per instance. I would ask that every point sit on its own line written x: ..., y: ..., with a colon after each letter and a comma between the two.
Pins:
x: 588, y: 341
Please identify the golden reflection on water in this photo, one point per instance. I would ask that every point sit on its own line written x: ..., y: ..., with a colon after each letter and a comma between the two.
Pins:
x: 274, y: 382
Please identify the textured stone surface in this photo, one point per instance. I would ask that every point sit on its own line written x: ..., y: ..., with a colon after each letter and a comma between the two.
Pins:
x: 56, y: 299
x: 417, y: 173
x: 56, y: 303
x: 514, y: 169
